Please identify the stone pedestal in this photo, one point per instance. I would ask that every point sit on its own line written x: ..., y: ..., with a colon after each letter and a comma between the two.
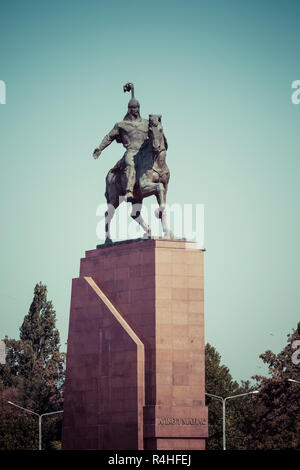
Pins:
x: 135, y: 361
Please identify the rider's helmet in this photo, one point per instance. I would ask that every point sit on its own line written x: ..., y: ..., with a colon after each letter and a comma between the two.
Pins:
x: 133, y: 103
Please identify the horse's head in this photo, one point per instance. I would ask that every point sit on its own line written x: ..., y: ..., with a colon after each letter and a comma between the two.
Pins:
x: 155, y: 132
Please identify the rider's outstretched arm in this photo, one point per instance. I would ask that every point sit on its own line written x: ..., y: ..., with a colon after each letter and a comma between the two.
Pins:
x: 108, y: 139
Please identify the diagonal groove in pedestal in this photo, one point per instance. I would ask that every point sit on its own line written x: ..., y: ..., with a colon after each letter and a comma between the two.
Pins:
x: 132, y: 332
x: 140, y: 352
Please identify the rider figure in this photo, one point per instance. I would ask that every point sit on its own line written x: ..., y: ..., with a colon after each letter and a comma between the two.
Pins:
x: 132, y: 133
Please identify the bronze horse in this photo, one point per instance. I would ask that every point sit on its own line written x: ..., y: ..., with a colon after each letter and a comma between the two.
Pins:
x: 152, y: 178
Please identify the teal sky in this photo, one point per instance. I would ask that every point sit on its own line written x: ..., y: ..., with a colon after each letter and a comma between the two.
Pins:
x: 220, y: 74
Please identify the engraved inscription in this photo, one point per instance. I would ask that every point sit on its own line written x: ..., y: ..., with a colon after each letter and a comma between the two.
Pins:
x: 182, y: 421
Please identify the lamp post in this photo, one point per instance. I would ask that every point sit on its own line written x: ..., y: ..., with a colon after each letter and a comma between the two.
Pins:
x: 39, y: 416
x: 292, y: 380
x: 223, y: 400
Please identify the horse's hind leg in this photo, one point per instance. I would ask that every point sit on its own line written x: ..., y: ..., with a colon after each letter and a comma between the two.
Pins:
x: 111, y: 209
x: 136, y: 215
x: 161, y: 212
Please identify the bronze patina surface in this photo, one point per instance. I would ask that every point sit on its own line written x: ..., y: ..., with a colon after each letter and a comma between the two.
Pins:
x: 142, y: 171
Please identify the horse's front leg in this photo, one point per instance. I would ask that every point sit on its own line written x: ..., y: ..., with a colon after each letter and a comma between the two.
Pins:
x: 167, y: 232
x: 137, y: 216
x: 161, y: 212
x: 161, y: 200
x: 159, y: 189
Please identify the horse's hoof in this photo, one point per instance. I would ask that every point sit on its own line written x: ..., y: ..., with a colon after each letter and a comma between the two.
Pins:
x: 169, y: 235
x: 147, y: 235
x: 108, y: 241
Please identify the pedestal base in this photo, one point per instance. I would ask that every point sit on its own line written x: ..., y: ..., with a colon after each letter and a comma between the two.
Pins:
x: 135, y: 360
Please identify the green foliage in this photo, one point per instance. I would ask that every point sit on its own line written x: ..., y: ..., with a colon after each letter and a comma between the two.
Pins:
x: 52, y: 426
x: 35, y: 368
x: 277, y: 420
x: 269, y: 420
x: 219, y: 382
x: 18, y: 432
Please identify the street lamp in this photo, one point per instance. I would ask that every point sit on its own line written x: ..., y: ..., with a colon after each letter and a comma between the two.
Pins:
x: 223, y: 400
x: 292, y: 380
x: 39, y: 416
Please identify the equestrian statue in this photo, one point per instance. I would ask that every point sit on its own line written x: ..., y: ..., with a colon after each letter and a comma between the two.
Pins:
x: 142, y: 171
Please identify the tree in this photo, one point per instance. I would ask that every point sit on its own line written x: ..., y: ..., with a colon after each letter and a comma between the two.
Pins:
x: 219, y: 382
x: 18, y: 431
x: 34, y: 365
x: 277, y: 421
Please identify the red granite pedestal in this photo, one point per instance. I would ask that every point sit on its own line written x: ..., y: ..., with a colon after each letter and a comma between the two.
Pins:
x: 135, y: 360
